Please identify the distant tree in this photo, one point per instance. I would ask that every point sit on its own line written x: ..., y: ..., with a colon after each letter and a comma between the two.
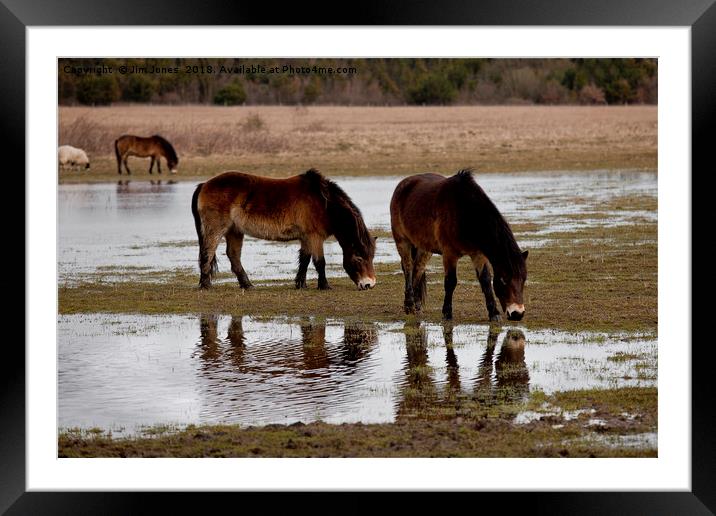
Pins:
x: 138, y: 88
x: 312, y: 91
x: 97, y: 90
x: 554, y: 93
x: 379, y: 81
x: 66, y: 86
x: 231, y: 95
x: 285, y: 87
x: 592, y: 94
x: 432, y: 89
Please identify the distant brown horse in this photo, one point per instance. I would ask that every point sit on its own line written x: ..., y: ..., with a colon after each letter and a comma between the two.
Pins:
x: 306, y: 207
x: 154, y: 147
x: 454, y: 217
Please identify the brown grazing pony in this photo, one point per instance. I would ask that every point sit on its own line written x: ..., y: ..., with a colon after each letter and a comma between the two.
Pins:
x: 154, y: 147
x: 454, y: 217
x: 307, y: 207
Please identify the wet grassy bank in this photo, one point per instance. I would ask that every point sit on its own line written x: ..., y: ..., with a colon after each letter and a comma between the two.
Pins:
x: 597, y: 279
x: 592, y: 423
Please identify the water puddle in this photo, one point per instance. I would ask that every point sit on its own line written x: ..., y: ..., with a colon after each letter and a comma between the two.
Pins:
x: 644, y: 441
x: 125, y: 229
x: 122, y: 372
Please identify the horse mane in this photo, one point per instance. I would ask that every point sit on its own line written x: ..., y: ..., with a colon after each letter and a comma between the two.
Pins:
x: 168, y: 149
x: 345, y: 217
x: 500, y: 239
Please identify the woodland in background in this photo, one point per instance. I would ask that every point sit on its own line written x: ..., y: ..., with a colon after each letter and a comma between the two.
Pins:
x: 378, y: 82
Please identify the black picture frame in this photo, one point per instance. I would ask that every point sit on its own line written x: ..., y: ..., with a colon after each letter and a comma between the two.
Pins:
x: 699, y: 15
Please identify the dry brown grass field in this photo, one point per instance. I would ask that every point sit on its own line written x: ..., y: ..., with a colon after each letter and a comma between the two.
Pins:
x: 285, y: 140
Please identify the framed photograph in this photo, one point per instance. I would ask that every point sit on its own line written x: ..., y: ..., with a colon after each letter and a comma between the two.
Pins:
x: 393, y: 256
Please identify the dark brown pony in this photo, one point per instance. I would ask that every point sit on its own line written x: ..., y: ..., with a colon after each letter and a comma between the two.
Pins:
x: 454, y: 217
x: 307, y: 207
x: 154, y: 147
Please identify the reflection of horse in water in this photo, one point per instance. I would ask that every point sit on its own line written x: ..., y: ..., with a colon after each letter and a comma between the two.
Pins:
x: 313, y: 342
x: 153, y: 186
x: 358, y: 340
x: 211, y: 350
x: 511, y: 378
x: 260, y: 373
x: 499, y: 381
x: 418, y: 389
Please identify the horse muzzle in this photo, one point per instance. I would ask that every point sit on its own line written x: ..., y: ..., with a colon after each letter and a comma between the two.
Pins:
x: 366, y: 283
x: 515, y: 312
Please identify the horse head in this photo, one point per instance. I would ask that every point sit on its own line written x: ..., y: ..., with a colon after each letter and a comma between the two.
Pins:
x: 358, y: 264
x: 173, y: 162
x: 509, y: 287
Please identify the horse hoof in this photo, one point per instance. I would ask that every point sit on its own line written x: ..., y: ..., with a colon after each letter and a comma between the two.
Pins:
x: 447, y: 317
x: 496, y: 318
x: 324, y: 287
x: 247, y: 287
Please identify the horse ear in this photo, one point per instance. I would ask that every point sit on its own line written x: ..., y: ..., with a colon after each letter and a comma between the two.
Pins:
x: 524, y: 255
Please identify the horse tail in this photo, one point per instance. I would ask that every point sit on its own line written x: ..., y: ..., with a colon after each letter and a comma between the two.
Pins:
x: 420, y: 290
x: 117, y: 154
x: 200, y: 233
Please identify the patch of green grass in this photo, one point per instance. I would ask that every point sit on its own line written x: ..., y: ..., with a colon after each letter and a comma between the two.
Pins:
x: 620, y: 356
x: 601, y: 285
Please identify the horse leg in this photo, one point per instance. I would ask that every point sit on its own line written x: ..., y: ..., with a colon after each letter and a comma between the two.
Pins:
x: 406, y: 251
x: 304, y: 256
x: 319, y: 262
x: 450, y: 267
x: 159, y: 164
x: 420, y: 261
x: 234, y: 243
x: 151, y: 165
x: 207, y: 256
x: 485, y: 279
x: 126, y: 158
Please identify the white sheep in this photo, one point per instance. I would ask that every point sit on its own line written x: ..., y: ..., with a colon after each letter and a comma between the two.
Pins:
x: 72, y: 156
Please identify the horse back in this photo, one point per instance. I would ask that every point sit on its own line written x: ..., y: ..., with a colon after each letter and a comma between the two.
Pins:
x: 424, y: 211
x: 274, y: 209
x: 138, y: 145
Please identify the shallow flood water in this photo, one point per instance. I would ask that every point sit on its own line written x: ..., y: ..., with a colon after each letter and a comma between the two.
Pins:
x: 121, y: 372
x: 130, y: 227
